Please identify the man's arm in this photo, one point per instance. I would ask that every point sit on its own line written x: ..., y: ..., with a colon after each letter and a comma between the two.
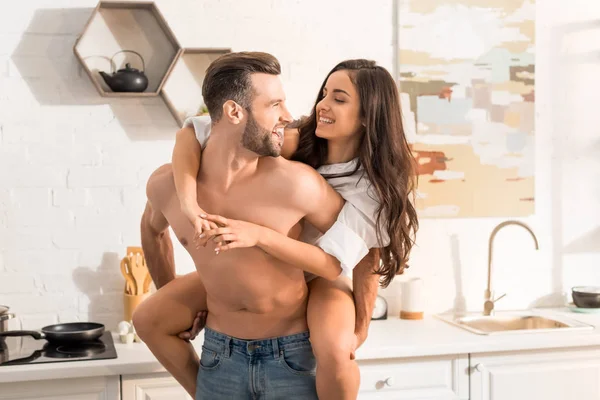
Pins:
x: 157, y: 246
x: 365, y: 284
x: 156, y: 241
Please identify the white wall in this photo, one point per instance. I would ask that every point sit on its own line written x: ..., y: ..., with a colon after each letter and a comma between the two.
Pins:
x: 73, y: 166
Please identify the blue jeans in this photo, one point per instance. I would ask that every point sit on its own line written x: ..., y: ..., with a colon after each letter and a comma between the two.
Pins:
x: 270, y: 369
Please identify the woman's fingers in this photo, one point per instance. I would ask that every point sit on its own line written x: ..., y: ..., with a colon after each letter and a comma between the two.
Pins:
x: 201, y: 225
x: 215, y: 232
x: 232, y: 245
x: 228, y: 237
x: 217, y: 219
x: 212, y: 225
x: 206, y: 225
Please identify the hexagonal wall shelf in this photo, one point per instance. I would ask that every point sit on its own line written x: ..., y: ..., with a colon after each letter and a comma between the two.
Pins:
x: 122, y: 25
x: 182, y: 90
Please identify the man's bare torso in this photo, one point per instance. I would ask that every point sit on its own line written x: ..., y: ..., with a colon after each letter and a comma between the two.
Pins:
x: 250, y: 294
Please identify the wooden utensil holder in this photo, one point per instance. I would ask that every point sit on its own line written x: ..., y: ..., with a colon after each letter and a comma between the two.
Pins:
x: 130, y: 302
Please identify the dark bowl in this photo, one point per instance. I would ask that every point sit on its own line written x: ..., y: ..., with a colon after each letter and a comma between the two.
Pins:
x: 586, y: 296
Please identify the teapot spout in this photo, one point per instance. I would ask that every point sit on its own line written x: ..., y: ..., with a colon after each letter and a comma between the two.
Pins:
x: 107, y: 77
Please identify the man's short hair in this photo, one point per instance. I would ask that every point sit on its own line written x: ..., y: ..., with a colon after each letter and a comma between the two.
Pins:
x: 228, y: 78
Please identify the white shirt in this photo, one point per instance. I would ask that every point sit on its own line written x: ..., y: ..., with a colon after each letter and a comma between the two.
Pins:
x: 354, y: 232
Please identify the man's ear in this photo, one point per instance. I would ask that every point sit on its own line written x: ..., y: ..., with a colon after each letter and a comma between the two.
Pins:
x: 233, y: 112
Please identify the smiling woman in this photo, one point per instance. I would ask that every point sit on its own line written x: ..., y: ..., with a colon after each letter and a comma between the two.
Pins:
x: 357, y: 115
x: 338, y: 111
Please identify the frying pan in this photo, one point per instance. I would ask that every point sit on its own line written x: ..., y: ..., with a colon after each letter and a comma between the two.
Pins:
x: 72, y: 332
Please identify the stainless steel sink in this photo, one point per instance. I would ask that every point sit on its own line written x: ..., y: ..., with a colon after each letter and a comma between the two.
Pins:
x: 514, y: 322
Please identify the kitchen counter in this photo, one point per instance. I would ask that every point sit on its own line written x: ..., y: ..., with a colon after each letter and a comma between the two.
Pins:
x: 392, y: 338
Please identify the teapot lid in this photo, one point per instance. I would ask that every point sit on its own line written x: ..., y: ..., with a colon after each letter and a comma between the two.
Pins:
x: 128, y: 68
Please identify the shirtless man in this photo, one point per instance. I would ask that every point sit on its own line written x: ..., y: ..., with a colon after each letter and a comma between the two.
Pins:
x: 256, y: 342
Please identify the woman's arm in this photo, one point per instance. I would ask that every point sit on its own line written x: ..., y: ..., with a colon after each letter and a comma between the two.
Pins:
x: 186, y: 163
x: 301, y: 255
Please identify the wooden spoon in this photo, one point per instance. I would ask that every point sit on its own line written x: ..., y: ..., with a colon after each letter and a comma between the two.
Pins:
x: 139, y: 273
x: 136, y: 254
x: 147, y: 283
x: 126, y: 271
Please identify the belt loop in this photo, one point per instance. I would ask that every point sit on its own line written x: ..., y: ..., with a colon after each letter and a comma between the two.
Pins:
x: 275, y: 345
x: 227, y: 347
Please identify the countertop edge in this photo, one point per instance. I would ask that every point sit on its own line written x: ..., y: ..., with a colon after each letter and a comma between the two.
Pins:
x: 393, y: 339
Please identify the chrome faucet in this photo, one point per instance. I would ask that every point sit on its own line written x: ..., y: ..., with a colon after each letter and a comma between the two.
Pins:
x: 488, y: 306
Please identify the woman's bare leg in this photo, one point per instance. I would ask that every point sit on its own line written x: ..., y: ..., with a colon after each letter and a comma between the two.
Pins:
x: 331, y: 316
x: 160, y: 318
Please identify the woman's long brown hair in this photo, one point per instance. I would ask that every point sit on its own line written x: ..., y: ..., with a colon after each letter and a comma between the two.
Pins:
x: 384, y: 154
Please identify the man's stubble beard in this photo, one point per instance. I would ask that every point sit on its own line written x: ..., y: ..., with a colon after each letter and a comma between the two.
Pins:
x: 258, y: 139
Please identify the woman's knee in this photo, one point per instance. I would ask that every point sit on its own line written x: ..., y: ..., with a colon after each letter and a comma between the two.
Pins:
x: 335, y: 350
x: 144, y: 320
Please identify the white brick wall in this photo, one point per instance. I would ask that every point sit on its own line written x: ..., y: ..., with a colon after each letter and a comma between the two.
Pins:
x: 73, y: 165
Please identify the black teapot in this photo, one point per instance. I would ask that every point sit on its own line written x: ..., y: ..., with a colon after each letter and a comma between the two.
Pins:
x: 127, y: 79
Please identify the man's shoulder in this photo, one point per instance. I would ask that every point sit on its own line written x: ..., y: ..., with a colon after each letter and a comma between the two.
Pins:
x: 294, y: 171
x: 161, y: 183
x: 302, y: 182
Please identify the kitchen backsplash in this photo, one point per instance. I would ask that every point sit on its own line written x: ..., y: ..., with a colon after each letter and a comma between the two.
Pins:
x: 73, y: 165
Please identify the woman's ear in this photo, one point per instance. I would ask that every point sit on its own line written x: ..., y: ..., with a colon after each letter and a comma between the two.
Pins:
x: 233, y: 112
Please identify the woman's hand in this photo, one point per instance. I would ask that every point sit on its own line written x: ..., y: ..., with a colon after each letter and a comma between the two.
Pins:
x: 231, y: 233
x: 196, y: 216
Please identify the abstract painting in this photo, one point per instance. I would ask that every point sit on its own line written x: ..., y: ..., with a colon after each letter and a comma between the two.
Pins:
x: 466, y: 76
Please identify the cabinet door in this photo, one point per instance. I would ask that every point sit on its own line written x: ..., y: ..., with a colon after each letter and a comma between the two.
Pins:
x: 96, y: 388
x: 423, y: 378
x: 541, y: 374
x: 160, y: 386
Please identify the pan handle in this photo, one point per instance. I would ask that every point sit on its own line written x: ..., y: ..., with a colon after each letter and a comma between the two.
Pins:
x: 36, y: 335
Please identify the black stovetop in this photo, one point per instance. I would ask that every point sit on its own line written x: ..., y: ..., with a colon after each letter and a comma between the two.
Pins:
x: 26, y: 350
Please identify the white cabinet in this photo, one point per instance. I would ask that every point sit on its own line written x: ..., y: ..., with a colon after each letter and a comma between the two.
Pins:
x: 96, y: 388
x: 423, y: 378
x: 152, y: 387
x: 545, y: 374
x: 549, y: 374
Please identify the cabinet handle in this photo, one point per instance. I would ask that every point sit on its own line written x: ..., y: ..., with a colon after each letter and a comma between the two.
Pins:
x: 479, y: 367
x: 389, y: 381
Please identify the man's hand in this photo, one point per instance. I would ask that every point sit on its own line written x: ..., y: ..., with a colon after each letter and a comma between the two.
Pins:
x: 197, y: 326
x: 359, y: 340
x: 232, y: 233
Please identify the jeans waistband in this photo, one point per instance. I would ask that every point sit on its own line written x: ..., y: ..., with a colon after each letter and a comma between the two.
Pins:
x: 270, y: 346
